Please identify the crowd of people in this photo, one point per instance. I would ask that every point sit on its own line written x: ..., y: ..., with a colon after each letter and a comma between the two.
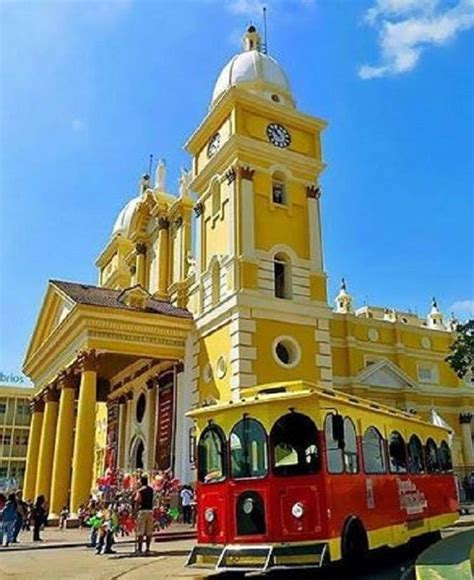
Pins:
x: 126, y: 505
x: 17, y: 515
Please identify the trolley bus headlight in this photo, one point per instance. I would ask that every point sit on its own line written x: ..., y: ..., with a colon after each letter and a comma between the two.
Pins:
x: 210, y: 515
x: 297, y: 510
x: 248, y: 506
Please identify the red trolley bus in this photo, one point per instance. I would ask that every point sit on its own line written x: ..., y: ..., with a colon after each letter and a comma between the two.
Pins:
x: 294, y: 475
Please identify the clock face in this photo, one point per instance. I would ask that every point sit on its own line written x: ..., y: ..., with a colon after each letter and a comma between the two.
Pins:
x: 278, y: 135
x: 214, y: 145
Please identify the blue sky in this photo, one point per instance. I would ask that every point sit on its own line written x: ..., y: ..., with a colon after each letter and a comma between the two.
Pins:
x: 89, y: 89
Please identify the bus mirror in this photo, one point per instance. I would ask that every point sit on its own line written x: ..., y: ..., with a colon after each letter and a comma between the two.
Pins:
x: 338, y: 430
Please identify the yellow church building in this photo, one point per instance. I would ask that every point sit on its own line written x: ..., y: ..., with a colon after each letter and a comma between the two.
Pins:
x: 213, y: 290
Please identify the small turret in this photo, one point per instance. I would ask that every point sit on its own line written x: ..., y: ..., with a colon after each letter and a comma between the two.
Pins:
x: 343, y: 300
x: 144, y: 183
x: 435, y: 318
x: 252, y: 39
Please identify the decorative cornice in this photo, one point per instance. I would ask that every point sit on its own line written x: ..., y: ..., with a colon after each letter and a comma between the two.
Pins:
x: 313, y: 192
x: 199, y: 209
x: 87, y: 360
x: 140, y: 249
x: 37, y: 405
x: 230, y: 175
x: 163, y: 223
x: 246, y: 173
x: 465, y: 418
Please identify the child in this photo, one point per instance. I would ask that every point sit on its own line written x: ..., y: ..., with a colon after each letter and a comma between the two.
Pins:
x: 106, y: 532
x: 63, y: 516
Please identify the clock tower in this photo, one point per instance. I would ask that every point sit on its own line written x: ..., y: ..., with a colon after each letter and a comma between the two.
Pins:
x: 259, y: 292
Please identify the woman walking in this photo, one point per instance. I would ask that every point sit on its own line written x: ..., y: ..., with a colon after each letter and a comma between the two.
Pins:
x: 39, y: 516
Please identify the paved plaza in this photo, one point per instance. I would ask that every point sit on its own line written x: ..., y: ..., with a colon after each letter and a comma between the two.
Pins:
x: 166, y: 561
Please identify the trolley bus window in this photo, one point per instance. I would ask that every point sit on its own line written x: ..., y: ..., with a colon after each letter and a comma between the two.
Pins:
x: 333, y: 449
x: 416, y: 463
x: 294, y: 441
x: 445, y: 457
x: 373, y: 451
x: 397, y: 452
x: 211, y: 455
x: 351, y: 464
x: 431, y: 454
x: 248, y: 449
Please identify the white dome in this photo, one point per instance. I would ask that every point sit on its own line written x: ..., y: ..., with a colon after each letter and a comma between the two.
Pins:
x: 124, y: 219
x: 256, y: 71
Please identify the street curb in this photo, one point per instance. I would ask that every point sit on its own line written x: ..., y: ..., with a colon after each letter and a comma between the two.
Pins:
x: 158, y: 538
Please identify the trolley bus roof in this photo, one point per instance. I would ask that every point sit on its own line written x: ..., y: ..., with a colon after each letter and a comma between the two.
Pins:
x: 297, y: 390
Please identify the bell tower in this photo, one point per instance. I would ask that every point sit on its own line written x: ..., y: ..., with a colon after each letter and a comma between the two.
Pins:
x: 260, y: 288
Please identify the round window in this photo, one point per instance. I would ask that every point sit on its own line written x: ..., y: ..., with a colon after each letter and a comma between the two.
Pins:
x: 275, y: 98
x: 141, y: 406
x: 286, y: 351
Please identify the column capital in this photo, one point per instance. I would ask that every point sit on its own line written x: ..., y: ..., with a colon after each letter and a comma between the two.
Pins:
x: 122, y: 400
x: 199, y: 209
x: 66, y: 380
x: 465, y: 418
x: 230, y: 175
x: 129, y: 395
x: 37, y: 405
x: 163, y: 223
x: 313, y: 192
x: 140, y: 249
x: 178, y: 222
x: 246, y: 173
x: 150, y: 383
x: 51, y: 395
x: 87, y: 360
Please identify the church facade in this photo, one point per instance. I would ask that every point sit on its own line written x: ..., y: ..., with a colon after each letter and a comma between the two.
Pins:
x: 213, y: 290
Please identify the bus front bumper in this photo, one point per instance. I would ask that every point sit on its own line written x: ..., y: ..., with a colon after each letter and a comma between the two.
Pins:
x: 258, y: 558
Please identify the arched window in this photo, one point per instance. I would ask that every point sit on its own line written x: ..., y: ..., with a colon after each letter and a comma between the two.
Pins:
x: 431, y: 456
x: 279, y: 188
x: 445, y: 459
x: 397, y: 453
x: 248, y: 449
x: 351, y: 463
x: 215, y: 284
x: 211, y: 455
x: 216, y: 198
x: 373, y: 451
x: 416, y: 462
x: 282, y: 274
x: 294, y: 444
x: 333, y: 451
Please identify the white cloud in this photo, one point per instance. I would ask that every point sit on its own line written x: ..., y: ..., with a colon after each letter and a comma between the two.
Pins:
x: 78, y: 125
x: 464, y: 308
x: 407, y: 27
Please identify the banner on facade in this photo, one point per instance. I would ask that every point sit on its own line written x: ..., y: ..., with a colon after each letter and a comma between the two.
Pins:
x: 165, y: 421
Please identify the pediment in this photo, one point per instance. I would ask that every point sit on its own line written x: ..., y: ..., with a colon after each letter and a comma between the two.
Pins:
x: 135, y: 297
x: 55, y: 308
x: 385, y: 374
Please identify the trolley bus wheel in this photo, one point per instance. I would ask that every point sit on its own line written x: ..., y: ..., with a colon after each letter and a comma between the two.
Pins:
x: 355, y: 545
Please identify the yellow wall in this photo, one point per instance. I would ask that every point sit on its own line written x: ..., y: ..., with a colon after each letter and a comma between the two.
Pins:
x: 212, y: 347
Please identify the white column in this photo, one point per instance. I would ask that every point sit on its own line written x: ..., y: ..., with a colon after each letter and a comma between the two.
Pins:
x: 314, y: 224
x: 122, y: 432
x: 248, y: 213
x: 468, y: 451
